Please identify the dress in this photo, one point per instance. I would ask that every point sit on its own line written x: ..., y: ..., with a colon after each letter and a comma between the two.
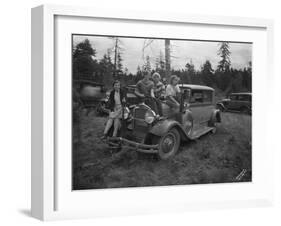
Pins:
x: 117, y: 113
x: 172, y: 91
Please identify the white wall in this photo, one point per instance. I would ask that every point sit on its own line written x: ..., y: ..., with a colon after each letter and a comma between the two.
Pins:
x: 15, y: 111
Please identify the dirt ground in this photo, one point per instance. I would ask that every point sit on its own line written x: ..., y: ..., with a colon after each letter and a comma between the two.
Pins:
x: 214, y: 158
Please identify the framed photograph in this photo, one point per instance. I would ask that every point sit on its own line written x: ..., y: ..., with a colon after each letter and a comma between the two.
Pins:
x: 137, y: 112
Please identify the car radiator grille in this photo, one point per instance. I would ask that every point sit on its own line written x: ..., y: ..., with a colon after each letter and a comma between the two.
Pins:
x: 140, y: 127
x: 140, y: 113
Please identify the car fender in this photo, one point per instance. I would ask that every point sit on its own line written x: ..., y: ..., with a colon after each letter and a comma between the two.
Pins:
x: 221, y: 105
x: 216, y: 116
x: 163, y: 126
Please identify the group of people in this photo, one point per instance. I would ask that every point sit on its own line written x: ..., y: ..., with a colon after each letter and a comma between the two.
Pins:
x: 150, y: 90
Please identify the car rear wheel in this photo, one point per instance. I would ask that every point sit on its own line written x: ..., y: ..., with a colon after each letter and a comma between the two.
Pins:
x: 169, y: 144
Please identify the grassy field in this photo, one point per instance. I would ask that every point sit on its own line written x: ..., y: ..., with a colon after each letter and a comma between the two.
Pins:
x: 214, y: 158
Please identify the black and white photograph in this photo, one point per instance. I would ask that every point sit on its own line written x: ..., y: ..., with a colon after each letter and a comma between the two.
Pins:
x: 152, y: 111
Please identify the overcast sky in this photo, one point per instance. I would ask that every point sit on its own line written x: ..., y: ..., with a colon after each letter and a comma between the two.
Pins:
x: 182, y: 51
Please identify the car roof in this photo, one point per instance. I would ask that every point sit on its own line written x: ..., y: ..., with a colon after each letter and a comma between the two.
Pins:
x: 242, y: 93
x: 195, y: 87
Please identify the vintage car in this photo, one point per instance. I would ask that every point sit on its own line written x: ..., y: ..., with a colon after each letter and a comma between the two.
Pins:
x: 143, y: 131
x: 87, y: 94
x: 240, y: 102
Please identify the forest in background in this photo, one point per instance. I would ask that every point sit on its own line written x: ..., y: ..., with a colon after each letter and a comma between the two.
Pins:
x: 222, y: 77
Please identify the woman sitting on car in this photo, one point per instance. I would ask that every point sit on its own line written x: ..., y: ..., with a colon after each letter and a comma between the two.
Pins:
x: 116, y: 98
x: 172, y: 91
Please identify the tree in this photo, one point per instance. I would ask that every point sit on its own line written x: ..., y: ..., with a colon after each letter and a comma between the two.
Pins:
x: 161, y: 61
x: 139, y: 74
x: 147, y: 64
x: 190, y: 73
x: 84, y: 64
x: 190, y: 67
x: 207, y: 73
x: 157, y: 64
x: 117, y: 49
x: 223, y: 75
x: 119, y: 65
x: 106, y: 69
x: 224, y: 53
x: 168, y: 57
x: 247, y: 77
x: 160, y: 64
x: 84, y: 48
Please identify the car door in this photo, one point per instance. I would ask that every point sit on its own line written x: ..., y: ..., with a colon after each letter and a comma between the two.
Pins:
x: 243, y: 101
x: 233, y: 103
x: 249, y: 101
x: 201, y: 106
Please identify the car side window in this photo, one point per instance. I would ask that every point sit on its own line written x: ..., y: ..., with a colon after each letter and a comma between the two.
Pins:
x: 232, y: 97
x: 196, y: 96
x: 244, y: 98
x: 207, y: 95
x: 201, y: 96
x: 186, y: 94
x: 241, y: 98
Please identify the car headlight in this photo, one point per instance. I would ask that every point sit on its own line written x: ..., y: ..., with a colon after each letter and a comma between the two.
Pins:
x: 126, y: 113
x: 149, y: 116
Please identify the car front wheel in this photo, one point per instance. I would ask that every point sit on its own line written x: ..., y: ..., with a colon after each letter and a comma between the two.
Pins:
x: 169, y: 144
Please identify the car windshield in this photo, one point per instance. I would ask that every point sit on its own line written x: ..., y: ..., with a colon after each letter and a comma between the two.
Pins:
x: 241, y: 97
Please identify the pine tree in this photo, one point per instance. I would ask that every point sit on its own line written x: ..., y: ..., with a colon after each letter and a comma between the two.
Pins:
x: 160, y: 64
x: 190, y: 67
x: 247, y: 77
x: 161, y: 61
x: 157, y: 64
x: 147, y: 64
x: 119, y: 66
x: 139, y: 75
x: 190, y: 72
x: 84, y: 64
x: 106, y: 69
x: 224, y: 53
x: 207, y: 73
x: 84, y: 48
x: 117, y: 55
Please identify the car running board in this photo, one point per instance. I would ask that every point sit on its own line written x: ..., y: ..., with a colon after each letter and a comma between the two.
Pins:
x: 198, y: 132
